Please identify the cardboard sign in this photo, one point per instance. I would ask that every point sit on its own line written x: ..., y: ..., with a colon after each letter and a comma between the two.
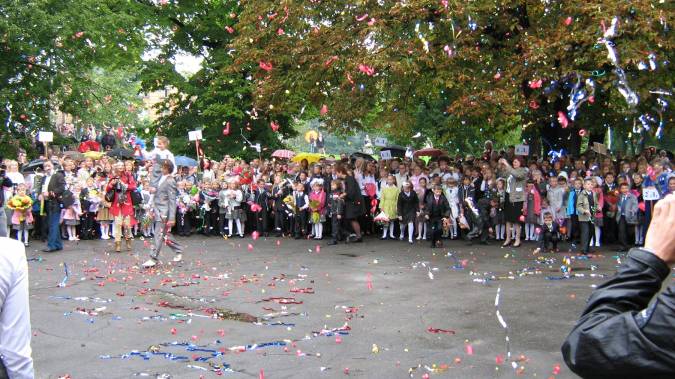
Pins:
x: 523, y: 150
x: 195, y: 135
x: 381, y: 142
x: 45, y: 136
x: 600, y: 148
x: 385, y: 154
x: 650, y: 193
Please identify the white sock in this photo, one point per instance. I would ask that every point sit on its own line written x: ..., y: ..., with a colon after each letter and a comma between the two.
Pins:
x: 240, y: 227
x: 319, y: 230
x: 598, y: 234
x: 411, y: 231
x: 391, y: 229
x: 230, y: 224
x: 25, y: 235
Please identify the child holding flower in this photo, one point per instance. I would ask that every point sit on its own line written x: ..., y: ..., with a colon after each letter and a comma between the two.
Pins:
x: 22, y: 217
x: 317, y: 206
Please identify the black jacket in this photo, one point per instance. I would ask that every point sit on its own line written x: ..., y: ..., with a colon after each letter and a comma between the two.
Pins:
x: 407, y: 206
x: 437, y: 210
x: 620, y: 334
x: 4, y: 182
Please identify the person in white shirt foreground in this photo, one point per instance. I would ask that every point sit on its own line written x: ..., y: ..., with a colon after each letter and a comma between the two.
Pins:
x: 15, y: 352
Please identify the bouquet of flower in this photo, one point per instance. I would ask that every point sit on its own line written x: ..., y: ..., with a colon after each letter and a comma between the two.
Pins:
x: 314, y: 207
x: 381, y: 219
x: 21, y: 204
x: 290, y: 203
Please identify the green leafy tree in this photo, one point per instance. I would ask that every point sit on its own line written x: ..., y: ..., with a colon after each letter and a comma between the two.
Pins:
x: 494, y: 63
x: 48, y: 49
x: 213, y: 97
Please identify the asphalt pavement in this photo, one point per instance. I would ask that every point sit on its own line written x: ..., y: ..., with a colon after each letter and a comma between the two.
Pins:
x: 280, y: 308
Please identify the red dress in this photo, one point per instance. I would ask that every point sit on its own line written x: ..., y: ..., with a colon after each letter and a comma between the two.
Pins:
x: 126, y: 208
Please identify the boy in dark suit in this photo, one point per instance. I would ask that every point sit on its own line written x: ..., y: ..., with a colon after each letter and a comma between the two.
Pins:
x: 437, y: 209
x: 550, y: 234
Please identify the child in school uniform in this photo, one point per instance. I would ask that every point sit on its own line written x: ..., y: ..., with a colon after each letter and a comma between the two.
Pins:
x: 22, y: 216
x: 550, y: 234
x: 452, y: 195
x: 317, y: 200
x: 280, y: 190
x: 499, y: 220
x: 234, y: 213
x: 531, y: 210
x: 337, y: 208
x: 599, y: 216
x: 71, y: 215
x: 260, y: 198
x: 388, y: 203
x: 301, y: 210
x: 90, y: 201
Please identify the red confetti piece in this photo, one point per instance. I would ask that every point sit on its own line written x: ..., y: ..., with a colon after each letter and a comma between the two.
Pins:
x: 267, y: 66
x: 324, y: 110
x: 274, y: 126
x: 562, y: 119
x: 568, y: 21
x: 534, y: 84
x: 437, y: 331
x: 255, y: 235
x: 174, y: 331
x: 250, y: 247
x: 499, y: 359
x: 469, y: 349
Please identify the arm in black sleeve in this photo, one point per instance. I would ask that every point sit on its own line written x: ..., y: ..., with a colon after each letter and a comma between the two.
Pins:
x: 619, y: 334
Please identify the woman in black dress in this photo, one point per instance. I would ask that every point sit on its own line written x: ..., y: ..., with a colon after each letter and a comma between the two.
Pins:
x: 354, y: 206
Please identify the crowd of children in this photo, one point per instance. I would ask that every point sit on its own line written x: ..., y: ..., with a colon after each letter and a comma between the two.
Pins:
x: 585, y: 201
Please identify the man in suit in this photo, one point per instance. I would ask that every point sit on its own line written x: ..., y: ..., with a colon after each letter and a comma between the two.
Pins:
x: 164, y: 211
x: 626, y: 214
x: 52, y: 187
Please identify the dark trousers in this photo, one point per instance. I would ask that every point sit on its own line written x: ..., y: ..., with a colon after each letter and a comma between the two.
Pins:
x: 301, y: 223
x: 183, y: 224
x: 53, y: 219
x: 573, y: 229
x: 87, y: 226
x: 221, y: 224
x: 261, y: 220
x: 279, y: 218
x: 586, y: 229
x: 435, y: 230
x: 625, y: 231
x: 336, y: 228
x: 547, y: 238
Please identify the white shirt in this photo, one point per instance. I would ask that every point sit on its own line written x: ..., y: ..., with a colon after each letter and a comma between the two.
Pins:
x: 15, y: 332
x: 45, y: 184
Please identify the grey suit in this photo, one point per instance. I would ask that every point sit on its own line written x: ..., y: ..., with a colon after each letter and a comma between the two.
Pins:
x: 164, y: 209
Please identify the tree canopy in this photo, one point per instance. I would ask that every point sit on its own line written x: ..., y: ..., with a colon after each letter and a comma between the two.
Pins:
x: 491, y: 64
x: 457, y: 71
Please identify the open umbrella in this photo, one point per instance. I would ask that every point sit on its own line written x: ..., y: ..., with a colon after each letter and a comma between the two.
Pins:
x: 283, y: 154
x: 183, y: 161
x: 121, y: 153
x: 429, y: 152
x: 93, y: 154
x: 395, y: 151
x: 36, y: 165
x: 361, y: 155
x: 311, y: 157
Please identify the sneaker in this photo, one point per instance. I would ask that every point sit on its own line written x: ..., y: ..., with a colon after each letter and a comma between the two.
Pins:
x: 152, y: 262
x: 178, y: 257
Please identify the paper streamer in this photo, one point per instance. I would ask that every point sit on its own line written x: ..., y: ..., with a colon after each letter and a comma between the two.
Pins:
x: 65, y: 278
x: 504, y: 325
x: 622, y: 85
